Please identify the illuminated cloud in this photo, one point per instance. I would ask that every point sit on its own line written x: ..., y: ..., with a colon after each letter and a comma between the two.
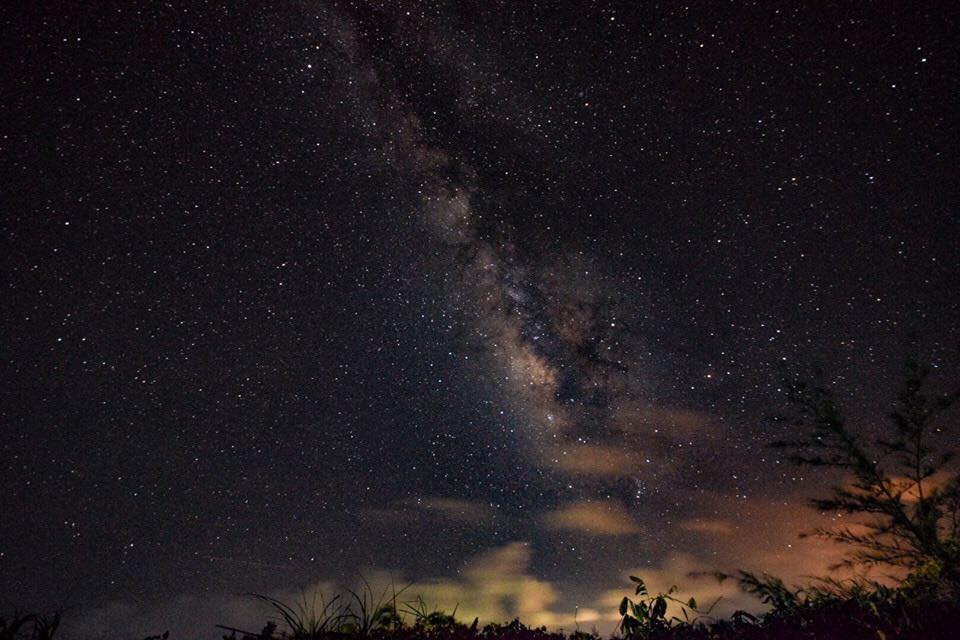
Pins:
x: 592, y: 518
x: 496, y: 586
x: 708, y: 526
x: 668, y: 420
x: 778, y: 523
x: 595, y: 460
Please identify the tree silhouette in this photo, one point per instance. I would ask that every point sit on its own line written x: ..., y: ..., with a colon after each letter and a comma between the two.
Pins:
x: 903, y: 485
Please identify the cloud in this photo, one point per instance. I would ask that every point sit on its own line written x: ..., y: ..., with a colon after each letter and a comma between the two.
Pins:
x: 767, y: 537
x: 496, y: 587
x: 669, y: 420
x: 594, y: 518
x: 595, y: 460
x: 714, y: 527
x: 451, y: 509
x: 459, y: 510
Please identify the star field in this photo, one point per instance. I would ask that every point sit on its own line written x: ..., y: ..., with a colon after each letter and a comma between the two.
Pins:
x: 473, y: 294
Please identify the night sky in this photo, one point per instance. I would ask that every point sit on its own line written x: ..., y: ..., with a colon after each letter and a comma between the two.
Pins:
x: 491, y: 297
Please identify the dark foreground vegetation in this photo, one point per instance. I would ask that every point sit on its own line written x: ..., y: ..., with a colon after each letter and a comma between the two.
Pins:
x: 849, y: 611
x: 834, y: 610
x: 901, y: 487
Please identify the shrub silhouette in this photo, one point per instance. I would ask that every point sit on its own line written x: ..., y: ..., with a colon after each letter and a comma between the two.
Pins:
x: 902, y: 484
x: 29, y: 626
x: 647, y: 616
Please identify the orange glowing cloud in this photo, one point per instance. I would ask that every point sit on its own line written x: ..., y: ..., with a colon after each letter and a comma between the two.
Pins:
x: 594, y: 460
x: 667, y: 420
x: 713, y: 527
x: 592, y: 518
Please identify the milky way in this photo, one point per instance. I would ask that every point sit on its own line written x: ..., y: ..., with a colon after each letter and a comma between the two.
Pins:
x: 550, y: 332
